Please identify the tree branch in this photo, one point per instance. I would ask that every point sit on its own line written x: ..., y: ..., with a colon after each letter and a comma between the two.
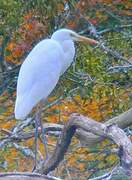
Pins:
x: 87, y: 124
x: 25, y: 176
x: 124, y: 120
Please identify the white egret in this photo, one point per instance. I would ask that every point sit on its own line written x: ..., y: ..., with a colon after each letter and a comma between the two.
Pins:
x: 42, y: 68
x: 40, y: 73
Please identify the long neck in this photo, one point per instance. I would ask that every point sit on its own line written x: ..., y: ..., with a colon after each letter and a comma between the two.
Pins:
x: 69, y: 53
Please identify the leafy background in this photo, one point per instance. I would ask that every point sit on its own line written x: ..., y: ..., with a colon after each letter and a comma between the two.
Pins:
x: 101, y: 93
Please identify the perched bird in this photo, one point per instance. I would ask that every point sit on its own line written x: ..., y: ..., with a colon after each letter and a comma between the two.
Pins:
x: 42, y: 68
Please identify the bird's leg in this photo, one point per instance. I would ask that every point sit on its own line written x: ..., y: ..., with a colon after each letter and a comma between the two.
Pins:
x: 38, y: 124
x: 36, y: 139
x: 44, y: 141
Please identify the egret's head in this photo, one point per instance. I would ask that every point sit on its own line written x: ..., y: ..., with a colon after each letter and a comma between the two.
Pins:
x: 66, y: 39
x: 67, y: 34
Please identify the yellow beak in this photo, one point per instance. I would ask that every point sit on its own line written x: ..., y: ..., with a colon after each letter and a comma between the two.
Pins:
x: 80, y: 38
x: 87, y: 40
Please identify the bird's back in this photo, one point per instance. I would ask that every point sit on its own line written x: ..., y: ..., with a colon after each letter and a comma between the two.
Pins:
x: 38, y: 76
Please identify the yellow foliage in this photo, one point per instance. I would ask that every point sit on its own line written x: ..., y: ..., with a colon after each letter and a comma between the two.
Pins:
x: 29, y: 142
x: 81, y: 166
x: 111, y: 158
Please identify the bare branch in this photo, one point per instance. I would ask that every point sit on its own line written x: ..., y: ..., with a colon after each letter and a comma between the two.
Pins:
x: 123, y: 121
x: 114, y: 69
x: 86, y: 124
x: 115, y: 28
x: 25, y: 176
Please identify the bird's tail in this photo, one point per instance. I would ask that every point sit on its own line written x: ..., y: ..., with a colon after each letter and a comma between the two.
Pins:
x: 22, y: 109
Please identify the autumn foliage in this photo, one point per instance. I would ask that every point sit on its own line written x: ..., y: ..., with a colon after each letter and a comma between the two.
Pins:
x: 105, y: 96
x: 23, y: 40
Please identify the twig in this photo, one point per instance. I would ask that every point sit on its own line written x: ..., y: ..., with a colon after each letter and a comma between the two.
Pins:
x: 114, y: 53
x: 25, y: 150
x: 101, y: 44
x: 114, y: 69
x: 120, y: 27
x: 106, y: 176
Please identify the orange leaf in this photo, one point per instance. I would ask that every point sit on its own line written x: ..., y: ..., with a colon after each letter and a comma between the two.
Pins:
x: 10, y: 46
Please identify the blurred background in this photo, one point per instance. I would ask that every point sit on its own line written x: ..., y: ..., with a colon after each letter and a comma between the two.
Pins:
x: 97, y: 85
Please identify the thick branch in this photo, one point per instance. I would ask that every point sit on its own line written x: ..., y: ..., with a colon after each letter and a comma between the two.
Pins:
x: 125, y: 152
x: 86, y: 124
x: 86, y: 130
x: 24, y: 176
x: 124, y: 120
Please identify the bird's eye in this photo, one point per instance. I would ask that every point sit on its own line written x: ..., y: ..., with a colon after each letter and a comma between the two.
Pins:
x: 71, y: 35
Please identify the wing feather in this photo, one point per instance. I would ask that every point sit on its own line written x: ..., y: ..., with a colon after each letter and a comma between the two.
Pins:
x: 38, y: 76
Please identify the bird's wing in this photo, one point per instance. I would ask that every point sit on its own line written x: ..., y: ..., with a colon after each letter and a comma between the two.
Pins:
x: 38, y: 76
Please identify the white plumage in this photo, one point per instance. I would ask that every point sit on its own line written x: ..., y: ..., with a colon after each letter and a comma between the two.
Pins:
x: 42, y: 68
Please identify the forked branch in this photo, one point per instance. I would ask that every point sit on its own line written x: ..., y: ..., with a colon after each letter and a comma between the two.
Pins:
x: 89, y: 125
